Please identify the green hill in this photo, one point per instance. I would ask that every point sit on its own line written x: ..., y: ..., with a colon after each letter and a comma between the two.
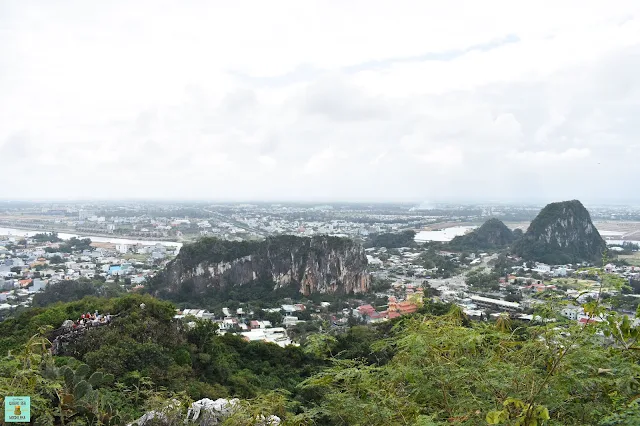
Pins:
x: 432, y: 368
x: 144, y: 350
x: 561, y: 233
x: 493, y: 234
x: 392, y: 239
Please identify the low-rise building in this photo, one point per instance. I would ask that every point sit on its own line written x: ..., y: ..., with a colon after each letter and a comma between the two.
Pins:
x: 496, y: 304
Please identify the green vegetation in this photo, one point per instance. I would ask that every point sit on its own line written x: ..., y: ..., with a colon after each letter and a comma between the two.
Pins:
x: 392, y: 240
x: 561, y: 233
x: 69, y: 291
x: 56, y: 259
x: 260, y: 292
x: 71, y: 245
x: 503, y: 265
x: 479, y: 280
x: 214, y: 250
x: 633, y: 258
x: 435, y: 367
x: 492, y: 235
x: 443, y: 267
x: 628, y: 248
x: 144, y: 354
x: 47, y: 237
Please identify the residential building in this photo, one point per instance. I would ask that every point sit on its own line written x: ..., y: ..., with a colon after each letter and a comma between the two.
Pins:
x: 496, y: 304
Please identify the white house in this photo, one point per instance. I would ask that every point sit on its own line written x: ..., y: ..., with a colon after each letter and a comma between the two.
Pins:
x: 560, y: 272
x: 122, y: 248
x: 542, y: 268
x: 276, y: 335
x: 289, y: 320
x: 571, y: 312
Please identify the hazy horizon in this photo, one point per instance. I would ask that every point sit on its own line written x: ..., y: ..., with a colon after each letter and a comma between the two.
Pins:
x: 420, y: 205
x: 362, y: 101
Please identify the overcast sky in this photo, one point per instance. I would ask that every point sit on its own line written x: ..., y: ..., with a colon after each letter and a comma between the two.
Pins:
x: 328, y: 100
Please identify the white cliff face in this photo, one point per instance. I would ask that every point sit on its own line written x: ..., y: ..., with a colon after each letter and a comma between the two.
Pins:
x: 316, y: 265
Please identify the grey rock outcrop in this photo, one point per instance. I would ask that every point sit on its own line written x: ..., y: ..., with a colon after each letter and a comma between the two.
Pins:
x: 561, y: 233
x: 320, y: 264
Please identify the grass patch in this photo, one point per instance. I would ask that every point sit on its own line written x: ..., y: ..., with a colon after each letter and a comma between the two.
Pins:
x: 138, y: 257
x: 632, y: 259
x: 575, y: 284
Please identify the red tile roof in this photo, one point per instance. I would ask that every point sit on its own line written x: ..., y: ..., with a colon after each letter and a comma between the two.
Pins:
x: 366, y: 309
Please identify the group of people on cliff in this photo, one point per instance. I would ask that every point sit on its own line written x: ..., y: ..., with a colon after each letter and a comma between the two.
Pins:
x: 89, y: 320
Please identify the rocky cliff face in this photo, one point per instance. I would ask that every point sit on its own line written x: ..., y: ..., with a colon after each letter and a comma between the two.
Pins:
x: 320, y: 264
x: 561, y: 233
x: 492, y: 234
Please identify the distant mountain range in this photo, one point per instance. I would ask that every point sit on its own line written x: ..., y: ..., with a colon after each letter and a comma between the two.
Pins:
x: 561, y: 233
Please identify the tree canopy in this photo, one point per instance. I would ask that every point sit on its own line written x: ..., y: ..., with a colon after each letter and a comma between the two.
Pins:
x: 392, y: 239
x: 435, y: 367
x: 493, y: 234
x: 72, y: 290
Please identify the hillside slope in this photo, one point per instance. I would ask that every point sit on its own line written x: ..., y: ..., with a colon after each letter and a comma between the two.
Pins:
x: 492, y: 234
x: 561, y: 233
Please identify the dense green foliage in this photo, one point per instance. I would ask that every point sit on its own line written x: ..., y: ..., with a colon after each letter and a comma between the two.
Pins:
x: 147, y: 351
x: 443, y: 267
x: 479, y: 280
x: 392, y: 239
x: 47, y: 237
x: 435, y: 367
x: 561, y: 233
x: 56, y: 259
x: 493, y: 234
x: 72, y: 245
x: 72, y: 290
x: 627, y: 247
x: 260, y: 292
x: 213, y: 250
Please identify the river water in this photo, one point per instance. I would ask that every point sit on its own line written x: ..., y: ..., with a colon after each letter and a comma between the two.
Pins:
x: 66, y: 236
x: 448, y: 234
x: 443, y: 235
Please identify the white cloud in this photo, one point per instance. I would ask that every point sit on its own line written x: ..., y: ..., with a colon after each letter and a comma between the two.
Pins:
x: 541, y: 157
x: 324, y: 161
x: 446, y: 156
x: 267, y: 161
x: 356, y: 100
x: 378, y: 158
